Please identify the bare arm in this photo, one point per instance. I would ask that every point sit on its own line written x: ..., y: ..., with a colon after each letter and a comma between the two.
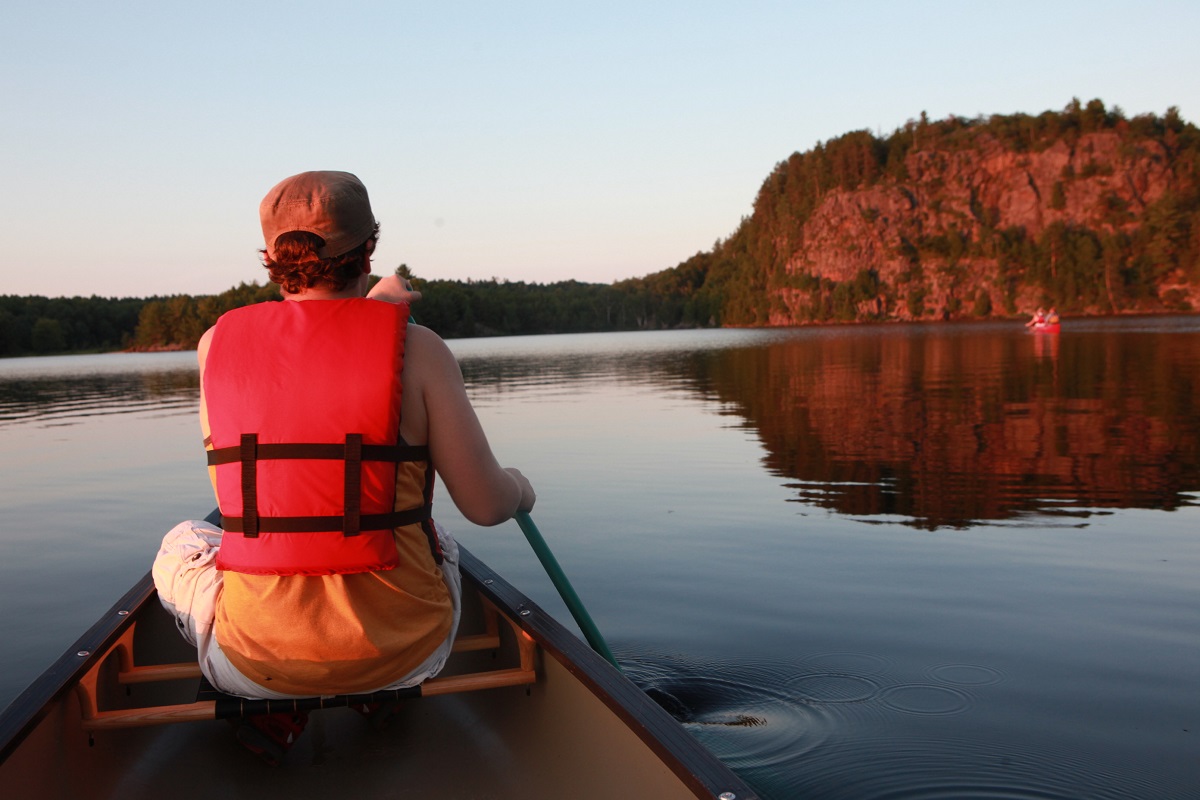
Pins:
x: 484, y: 492
x: 394, y: 289
x: 202, y: 357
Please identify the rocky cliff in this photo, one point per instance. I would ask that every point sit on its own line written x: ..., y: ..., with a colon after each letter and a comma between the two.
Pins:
x: 1082, y: 209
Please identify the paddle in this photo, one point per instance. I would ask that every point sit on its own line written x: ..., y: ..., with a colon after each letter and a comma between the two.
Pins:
x: 559, y: 579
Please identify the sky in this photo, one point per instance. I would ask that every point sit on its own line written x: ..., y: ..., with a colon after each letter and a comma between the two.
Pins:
x: 525, y: 141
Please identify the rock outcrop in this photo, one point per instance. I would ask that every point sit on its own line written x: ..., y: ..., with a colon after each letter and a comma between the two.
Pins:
x: 1084, y: 210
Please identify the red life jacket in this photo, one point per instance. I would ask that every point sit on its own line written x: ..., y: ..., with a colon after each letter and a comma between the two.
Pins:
x: 303, y: 402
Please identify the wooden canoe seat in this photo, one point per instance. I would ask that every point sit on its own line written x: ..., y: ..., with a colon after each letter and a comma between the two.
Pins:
x: 213, y: 704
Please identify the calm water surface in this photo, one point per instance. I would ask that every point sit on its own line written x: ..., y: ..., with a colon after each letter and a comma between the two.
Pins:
x: 864, y: 562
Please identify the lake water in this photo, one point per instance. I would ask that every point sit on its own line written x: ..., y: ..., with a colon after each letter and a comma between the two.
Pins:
x: 935, y: 561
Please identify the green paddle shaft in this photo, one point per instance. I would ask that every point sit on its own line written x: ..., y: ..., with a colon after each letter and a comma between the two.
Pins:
x: 574, y: 605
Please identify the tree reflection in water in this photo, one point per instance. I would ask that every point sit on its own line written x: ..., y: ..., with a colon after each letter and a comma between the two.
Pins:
x: 942, y: 425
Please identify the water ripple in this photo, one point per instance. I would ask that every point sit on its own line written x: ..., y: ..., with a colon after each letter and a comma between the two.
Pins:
x: 734, y: 710
x: 966, y: 674
x: 940, y: 769
x: 834, y: 687
x: 831, y: 725
x: 925, y: 698
x: 857, y: 663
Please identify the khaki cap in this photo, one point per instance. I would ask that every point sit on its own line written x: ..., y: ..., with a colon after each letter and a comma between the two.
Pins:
x: 333, y: 205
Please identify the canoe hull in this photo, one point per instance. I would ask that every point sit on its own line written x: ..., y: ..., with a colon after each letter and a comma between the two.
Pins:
x: 581, y: 731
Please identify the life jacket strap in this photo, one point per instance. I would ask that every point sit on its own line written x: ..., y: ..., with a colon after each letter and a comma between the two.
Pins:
x: 352, y: 453
x: 367, y: 522
x: 320, y: 452
x: 353, y: 485
x: 435, y: 544
x: 248, y: 455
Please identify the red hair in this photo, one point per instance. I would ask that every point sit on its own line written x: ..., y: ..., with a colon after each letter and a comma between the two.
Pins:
x: 297, y: 266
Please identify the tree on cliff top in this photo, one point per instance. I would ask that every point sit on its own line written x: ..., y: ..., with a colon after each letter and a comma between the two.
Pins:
x: 947, y: 244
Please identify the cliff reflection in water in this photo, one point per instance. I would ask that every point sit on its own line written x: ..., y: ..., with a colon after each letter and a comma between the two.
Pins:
x: 954, y: 426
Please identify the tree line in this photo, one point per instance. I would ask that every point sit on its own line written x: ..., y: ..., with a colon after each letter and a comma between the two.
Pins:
x: 454, y: 309
x: 33, y: 325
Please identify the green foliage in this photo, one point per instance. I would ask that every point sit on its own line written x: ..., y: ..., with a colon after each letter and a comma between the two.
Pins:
x: 1093, y: 168
x: 47, y: 336
x: 915, y: 300
x: 983, y: 303
x: 681, y: 297
x: 178, y: 322
x: 847, y: 297
x: 500, y: 308
x: 32, y: 325
x: 1058, y: 197
x: 1169, y: 237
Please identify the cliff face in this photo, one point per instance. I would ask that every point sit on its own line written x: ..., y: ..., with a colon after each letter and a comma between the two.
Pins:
x: 1084, y: 210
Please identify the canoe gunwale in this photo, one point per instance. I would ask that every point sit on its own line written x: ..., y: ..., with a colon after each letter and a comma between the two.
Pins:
x: 33, y: 704
x: 685, y: 756
x: 691, y: 762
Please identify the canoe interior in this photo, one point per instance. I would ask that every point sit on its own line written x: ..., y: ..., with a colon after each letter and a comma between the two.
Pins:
x: 582, y: 731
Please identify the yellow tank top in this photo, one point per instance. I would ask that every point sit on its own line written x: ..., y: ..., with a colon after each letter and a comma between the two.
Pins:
x: 339, y: 634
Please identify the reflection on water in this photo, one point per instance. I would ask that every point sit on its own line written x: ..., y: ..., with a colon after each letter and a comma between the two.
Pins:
x: 65, y: 390
x: 983, y: 425
x: 939, y: 426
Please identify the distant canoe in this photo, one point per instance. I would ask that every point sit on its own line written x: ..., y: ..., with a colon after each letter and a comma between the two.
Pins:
x: 1045, y: 327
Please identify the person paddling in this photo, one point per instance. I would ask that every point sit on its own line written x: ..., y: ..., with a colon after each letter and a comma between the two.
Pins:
x: 325, y: 418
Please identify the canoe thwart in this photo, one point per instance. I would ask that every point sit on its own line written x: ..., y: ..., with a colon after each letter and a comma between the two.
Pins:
x: 185, y: 670
x: 213, y: 704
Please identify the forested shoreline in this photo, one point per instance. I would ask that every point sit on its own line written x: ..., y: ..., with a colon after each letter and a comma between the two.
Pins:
x: 33, y: 325
x: 1082, y: 209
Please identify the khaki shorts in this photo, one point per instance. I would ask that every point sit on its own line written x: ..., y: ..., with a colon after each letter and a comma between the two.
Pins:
x: 189, y: 586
